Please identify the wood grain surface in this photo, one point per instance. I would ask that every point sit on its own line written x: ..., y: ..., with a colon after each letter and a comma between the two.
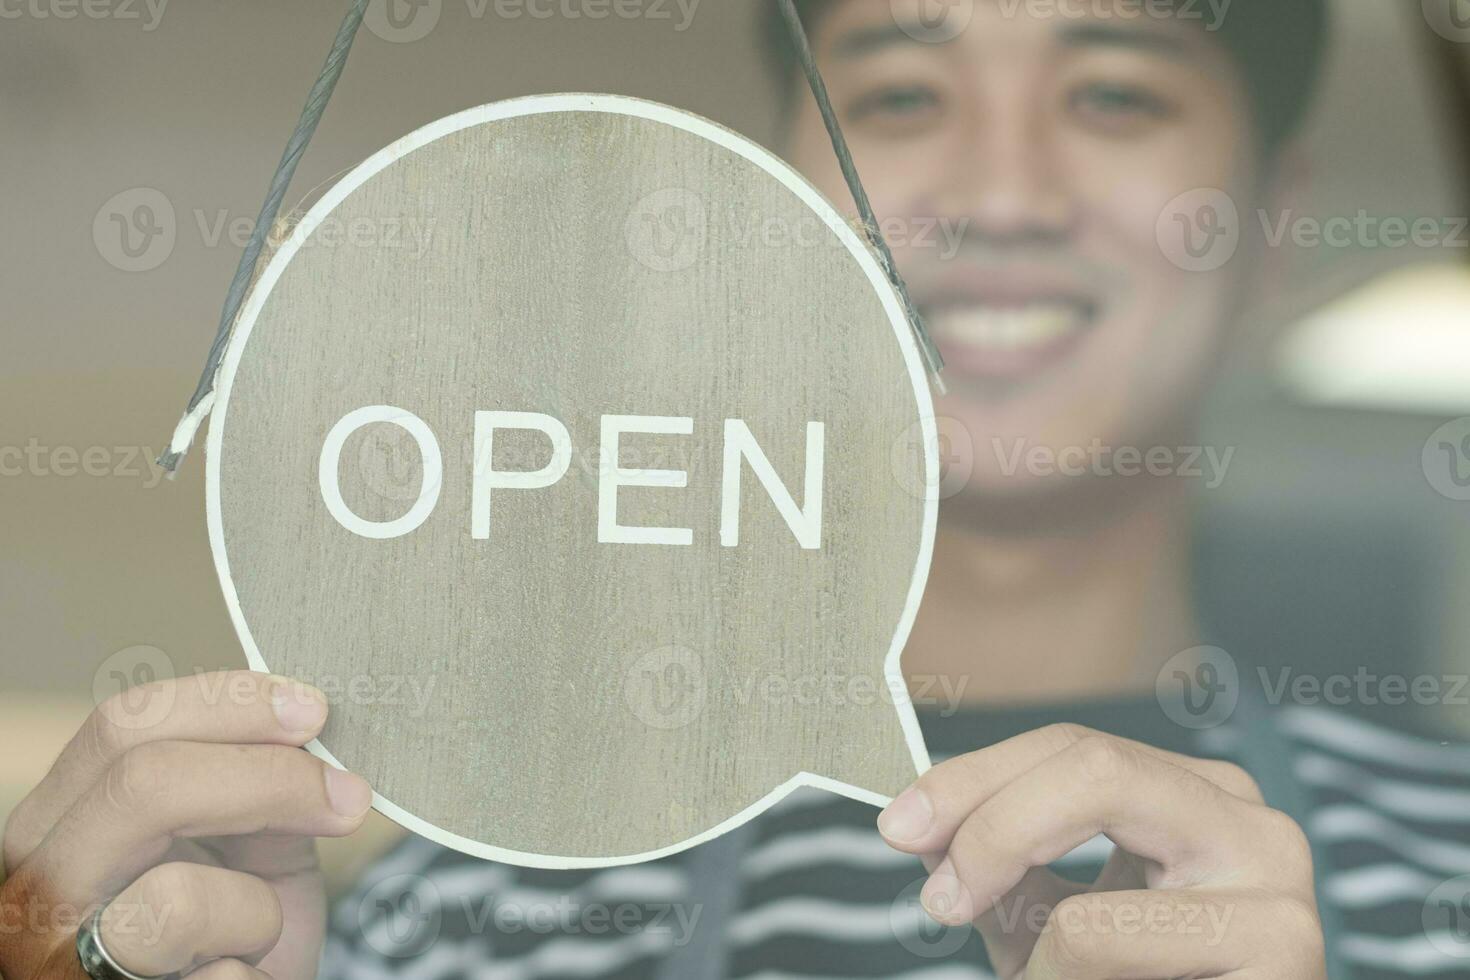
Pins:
x: 540, y: 696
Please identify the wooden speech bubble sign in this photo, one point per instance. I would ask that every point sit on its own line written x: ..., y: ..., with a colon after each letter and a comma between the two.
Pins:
x: 582, y: 453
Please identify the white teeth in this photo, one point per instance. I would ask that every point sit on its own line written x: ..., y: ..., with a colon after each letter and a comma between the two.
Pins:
x: 1009, y: 328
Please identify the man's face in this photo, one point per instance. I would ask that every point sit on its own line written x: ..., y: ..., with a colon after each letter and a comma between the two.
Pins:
x: 1022, y: 168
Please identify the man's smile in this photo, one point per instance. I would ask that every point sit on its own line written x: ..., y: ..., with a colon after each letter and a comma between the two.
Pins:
x: 1007, y: 325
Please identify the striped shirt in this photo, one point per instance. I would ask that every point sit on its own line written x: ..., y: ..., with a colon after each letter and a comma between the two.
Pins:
x: 819, y: 894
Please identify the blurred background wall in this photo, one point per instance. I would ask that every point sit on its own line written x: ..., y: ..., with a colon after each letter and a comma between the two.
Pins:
x: 1329, y: 531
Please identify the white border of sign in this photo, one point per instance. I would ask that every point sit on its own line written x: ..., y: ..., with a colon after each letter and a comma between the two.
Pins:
x: 771, y: 164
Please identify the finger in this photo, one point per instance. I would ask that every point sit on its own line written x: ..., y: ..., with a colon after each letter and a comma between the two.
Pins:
x: 925, y: 816
x: 230, y: 706
x: 178, y: 915
x: 266, y: 857
x: 1011, y: 928
x: 1123, y: 872
x: 1115, y: 935
x: 1185, y: 825
x: 299, y: 952
x: 291, y: 866
x: 161, y: 791
x: 228, y: 970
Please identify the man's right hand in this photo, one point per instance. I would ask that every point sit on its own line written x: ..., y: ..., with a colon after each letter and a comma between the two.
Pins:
x: 193, y: 823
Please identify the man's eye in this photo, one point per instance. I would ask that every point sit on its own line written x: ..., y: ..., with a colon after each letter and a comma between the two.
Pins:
x: 1120, y: 103
x: 898, y: 104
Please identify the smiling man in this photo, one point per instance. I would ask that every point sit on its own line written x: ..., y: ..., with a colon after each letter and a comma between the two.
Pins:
x: 1069, y: 334
x: 1108, y: 805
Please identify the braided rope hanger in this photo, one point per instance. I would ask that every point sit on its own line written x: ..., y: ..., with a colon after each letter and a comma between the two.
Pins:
x: 202, y: 401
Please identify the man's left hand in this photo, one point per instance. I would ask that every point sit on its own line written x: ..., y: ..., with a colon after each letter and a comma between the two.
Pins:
x: 1205, y: 880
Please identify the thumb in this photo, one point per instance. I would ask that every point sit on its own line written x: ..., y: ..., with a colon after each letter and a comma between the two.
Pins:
x: 1013, y: 922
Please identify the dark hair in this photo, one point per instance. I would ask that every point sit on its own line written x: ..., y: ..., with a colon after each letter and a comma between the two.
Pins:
x: 1279, y: 45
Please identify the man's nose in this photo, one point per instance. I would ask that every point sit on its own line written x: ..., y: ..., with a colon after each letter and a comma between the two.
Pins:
x: 1009, y: 181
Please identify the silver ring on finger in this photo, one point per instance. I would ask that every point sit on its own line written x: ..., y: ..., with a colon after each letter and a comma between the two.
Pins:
x: 97, y: 962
